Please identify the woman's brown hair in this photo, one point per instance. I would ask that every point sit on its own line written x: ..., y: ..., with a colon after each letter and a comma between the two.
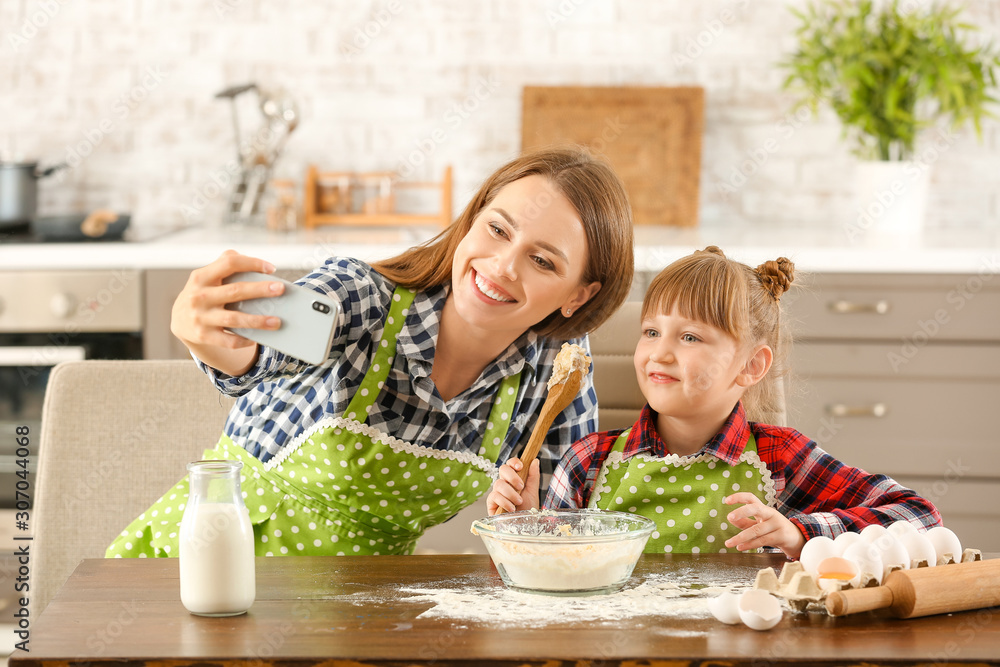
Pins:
x: 709, y: 287
x: 597, y: 194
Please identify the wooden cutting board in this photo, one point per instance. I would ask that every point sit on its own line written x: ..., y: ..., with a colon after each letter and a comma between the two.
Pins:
x: 651, y: 135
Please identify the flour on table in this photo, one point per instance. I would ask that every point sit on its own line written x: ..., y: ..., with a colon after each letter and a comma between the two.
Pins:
x: 483, y: 599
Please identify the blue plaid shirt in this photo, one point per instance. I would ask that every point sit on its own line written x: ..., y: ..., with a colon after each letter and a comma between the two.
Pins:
x: 281, y: 397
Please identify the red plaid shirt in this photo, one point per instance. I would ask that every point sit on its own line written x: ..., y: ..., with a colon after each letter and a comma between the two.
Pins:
x: 818, y: 493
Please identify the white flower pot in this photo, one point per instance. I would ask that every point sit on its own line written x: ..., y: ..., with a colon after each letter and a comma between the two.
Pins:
x: 891, y: 197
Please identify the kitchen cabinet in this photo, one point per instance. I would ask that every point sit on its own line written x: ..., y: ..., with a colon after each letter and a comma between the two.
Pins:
x: 898, y: 374
x: 162, y: 288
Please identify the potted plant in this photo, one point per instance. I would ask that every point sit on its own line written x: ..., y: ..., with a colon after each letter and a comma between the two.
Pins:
x: 889, y: 74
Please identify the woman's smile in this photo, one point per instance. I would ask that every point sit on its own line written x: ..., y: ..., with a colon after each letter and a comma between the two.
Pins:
x: 490, y: 290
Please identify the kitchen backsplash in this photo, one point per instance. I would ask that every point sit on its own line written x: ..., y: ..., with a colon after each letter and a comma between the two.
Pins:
x: 124, y: 91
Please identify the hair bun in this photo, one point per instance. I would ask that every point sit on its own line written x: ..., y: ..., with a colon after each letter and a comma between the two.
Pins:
x: 713, y: 250
x: 776, y: 276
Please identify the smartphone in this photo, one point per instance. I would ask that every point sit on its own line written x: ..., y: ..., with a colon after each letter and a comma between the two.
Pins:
x: 307, y: 318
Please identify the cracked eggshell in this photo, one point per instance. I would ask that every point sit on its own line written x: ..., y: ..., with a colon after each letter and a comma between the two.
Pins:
x: 867, y: 558
x: 892, y: 552
x: 844, y: 540
x: 900, y: 528
x: 726, y: 608
x: 760, y: 610
x: 815, y: 550
x: 838, y: 569
x: 919, y: 548
x: 945, y: 542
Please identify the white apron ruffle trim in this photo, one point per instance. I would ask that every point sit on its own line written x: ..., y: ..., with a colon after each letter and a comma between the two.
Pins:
x: 377, y: 436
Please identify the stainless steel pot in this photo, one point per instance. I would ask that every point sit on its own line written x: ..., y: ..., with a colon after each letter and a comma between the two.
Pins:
x: 19, y: 191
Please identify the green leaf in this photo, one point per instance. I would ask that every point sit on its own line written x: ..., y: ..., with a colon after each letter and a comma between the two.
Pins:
x: 876, y: 66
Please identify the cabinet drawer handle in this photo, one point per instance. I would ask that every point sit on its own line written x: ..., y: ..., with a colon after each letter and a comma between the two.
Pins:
x: 843, y: 410
x: 845, y: 307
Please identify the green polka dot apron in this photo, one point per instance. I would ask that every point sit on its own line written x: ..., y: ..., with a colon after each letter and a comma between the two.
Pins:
x: 342, y: 487
x: 681, y: 494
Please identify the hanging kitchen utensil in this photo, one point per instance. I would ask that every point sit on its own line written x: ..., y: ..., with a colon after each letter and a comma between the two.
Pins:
x: 257, y: 157
x: 282, y: 114
x: 238, y: 194
x: 231, y: 94
x: 19, y: 191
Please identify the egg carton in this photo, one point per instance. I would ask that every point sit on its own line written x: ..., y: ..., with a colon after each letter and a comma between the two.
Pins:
x: 801, y: 590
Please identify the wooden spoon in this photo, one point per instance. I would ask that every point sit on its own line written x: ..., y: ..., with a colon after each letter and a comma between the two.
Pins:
x: 559, y: 397
x: 95, y: 224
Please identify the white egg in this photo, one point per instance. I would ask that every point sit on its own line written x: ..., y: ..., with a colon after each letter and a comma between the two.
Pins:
x: 919, y: 548
x: 845, y: 540
x: 815, y: 550
x: 726, y: 608
x: 945, y: 542
x: 892, y: 551
x: 838, y: 569
x: 900, y: 528
x: 759, y: 609
x: 867, y: 557
x: 873, y: 532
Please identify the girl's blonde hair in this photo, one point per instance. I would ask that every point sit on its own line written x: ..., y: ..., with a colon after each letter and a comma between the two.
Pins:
x: 744, y: 302
x: 597, y: 194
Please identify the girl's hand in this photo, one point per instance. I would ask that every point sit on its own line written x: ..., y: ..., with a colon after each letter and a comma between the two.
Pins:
x: 762, y: 526
x: 199, y: 316
x: 510, y: 493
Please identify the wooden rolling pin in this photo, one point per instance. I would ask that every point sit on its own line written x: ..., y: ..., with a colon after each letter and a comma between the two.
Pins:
x: 925, y: 591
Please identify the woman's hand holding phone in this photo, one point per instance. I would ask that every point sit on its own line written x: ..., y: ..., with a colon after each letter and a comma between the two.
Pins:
x: 200, y: 318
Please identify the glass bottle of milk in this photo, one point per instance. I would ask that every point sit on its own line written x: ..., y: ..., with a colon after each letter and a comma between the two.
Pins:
x: 216, y: 542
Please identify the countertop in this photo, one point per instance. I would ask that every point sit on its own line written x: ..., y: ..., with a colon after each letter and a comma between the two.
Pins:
x: 827, y: 251
x: 454, y: 610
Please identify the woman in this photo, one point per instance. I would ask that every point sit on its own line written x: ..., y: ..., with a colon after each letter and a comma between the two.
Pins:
x: 437, y: 371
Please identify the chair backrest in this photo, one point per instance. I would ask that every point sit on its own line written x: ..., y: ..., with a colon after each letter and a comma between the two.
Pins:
x: 619, y: 400
x: 115, y: 436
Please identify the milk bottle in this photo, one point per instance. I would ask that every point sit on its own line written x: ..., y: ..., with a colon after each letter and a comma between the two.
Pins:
x: 216, y: 542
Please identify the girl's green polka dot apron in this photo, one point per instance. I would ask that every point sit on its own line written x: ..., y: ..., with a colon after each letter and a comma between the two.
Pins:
x: 343, y: 487
x: 681, y: 494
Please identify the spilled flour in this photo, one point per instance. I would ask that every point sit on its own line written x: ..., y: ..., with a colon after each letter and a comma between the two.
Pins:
x: 483, y: 599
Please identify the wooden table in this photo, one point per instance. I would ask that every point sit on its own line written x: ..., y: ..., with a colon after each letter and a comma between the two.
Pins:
x: 128, y: 612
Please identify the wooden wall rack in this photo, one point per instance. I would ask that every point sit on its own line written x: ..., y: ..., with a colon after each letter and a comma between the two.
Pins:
x: 330, y: 199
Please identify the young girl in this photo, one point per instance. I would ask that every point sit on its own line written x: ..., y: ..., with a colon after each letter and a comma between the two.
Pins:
x: 438, y: 367
x: 710, y: 336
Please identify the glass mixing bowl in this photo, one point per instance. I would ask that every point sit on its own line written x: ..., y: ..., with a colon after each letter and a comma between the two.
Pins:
x: 564, y: 552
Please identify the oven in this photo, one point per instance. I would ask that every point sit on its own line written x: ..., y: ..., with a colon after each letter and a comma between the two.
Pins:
x: 47, y: 317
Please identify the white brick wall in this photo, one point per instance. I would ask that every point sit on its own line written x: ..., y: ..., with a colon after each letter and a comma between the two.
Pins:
x: 131, y: 84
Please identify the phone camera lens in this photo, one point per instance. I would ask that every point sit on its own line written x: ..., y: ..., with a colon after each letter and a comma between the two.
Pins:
x: 321, y: 307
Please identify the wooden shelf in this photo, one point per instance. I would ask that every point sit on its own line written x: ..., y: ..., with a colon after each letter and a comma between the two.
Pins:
x: 373, y: 219
x: 315, y: 216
